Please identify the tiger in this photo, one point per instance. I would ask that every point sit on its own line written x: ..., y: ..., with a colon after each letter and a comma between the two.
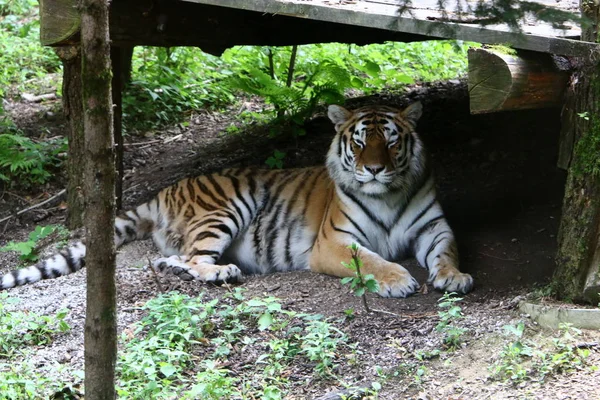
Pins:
x: 375, y: 190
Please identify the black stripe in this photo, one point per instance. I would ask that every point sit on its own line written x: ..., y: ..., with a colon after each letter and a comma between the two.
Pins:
x: 44, y: 270
x: 335, y: 228
x: 423, y: 211
x: 209, y: 193
x: 205, y: 235
x: 223, y: 228
x: 288, y: 243
x: 211, y: 253
x: 203, y: 222
x: 313, y: 184
x: 356, y: 226
x: 427, y: 224
x: 272, y: 234
x: 433, y: 245
x: 218, y: 188
x: 208, y: 207
x: 365, y: 209
x: 71, y: 261
x: 235, y: 182
x: 130, y: 231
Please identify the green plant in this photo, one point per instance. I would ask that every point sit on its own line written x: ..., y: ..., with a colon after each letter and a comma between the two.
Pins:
x: 276, y: 160
x: 163, y: 350
x: 25, y: 162
x: 359, y: 283
x: 521, y: 361
x: 23, y: 60
x: 28, y: 250
x: 450, y: 313
x: 19, y: 329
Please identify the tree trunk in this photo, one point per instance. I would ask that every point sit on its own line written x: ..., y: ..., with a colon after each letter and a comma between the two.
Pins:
x: 73, y: 110
x: 99, y: 191
x: 577, y: 276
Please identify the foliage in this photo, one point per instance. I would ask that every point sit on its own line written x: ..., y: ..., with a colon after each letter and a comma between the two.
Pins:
x: 20, y: 329
x: 168, y: 83
x: 522, y: 360
x: 23, y: 60
x: 28, y: 250
x: 276, y: 160
x: 450, y: 314
x: 25, y: 162
x: 359, y: 283
x: 162, y: 351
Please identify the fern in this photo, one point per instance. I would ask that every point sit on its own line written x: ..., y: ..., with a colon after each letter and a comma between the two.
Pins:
x: 28, y: 163
x: 325, y: 82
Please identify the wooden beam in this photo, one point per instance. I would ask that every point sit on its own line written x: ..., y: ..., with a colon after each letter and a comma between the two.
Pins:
x: 522, y: 80
x: 415, y: 23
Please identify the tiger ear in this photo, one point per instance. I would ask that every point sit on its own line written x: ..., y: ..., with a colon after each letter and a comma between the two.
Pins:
x: 413, y: 112
x: 338, y: 115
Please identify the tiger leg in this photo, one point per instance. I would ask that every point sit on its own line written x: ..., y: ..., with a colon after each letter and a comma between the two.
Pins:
x: 394, y: 280
x: 204, y: 244
x: 436, y: 250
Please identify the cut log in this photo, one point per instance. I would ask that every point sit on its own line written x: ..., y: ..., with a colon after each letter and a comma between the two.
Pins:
x: 60, y: 22
x: 522, y: 80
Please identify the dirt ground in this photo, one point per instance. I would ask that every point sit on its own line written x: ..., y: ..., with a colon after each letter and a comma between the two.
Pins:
x: 498, y: 184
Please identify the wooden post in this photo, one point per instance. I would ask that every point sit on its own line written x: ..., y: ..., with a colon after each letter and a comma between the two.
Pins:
x: 73, y: 110
x: 99, y: 189
x: 577, y: 276
x: 116, y: 58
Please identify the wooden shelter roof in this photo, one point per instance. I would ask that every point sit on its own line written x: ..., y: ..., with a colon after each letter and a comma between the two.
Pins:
x: 215, y: 25
x: 423, y: 18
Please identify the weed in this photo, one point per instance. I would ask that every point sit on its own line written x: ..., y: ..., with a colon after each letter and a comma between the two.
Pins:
x: 25, y: 162
x: 276, y: 160
x: 359, y: 283
x: 449, y: 315
x: 522, y: 360
x: 161, y: 352
x: 28, y: 250
x: 19, y: 329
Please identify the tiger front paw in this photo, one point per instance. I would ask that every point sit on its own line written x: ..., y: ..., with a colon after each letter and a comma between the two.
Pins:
x: 175, y: 265
x: 397, y: 283
x: 450, y: 279
x: 229, y: 273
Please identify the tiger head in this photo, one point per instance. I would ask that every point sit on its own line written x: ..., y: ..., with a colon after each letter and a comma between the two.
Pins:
x: 376, y: 149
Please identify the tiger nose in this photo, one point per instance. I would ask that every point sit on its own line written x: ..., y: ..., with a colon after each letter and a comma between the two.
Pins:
x: 374, y: 169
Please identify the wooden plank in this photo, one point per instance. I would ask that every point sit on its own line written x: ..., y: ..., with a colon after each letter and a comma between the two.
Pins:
x: 384, y: 17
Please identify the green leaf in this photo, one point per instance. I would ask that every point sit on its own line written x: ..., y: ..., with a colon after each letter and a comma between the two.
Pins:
x: 347, y: 280
x: 372, y: 68
x: 167, y: 369
x: 265, y: 321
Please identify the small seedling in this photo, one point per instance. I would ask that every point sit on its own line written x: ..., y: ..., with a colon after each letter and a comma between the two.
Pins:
x: 359, y: 283
x: 450, y: 314
x: 276, y: 160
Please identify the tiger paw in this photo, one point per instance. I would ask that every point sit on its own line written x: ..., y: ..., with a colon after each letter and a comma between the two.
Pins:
x: 175, y: 265
x: 218, y: 273
x: 452, y: 280
x: 397, y: 283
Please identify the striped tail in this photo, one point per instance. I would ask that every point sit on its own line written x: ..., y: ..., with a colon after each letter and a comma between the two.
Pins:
x: 68, y: 260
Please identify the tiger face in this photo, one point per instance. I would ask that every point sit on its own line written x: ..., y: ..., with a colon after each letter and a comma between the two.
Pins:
x: 375, y: 148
